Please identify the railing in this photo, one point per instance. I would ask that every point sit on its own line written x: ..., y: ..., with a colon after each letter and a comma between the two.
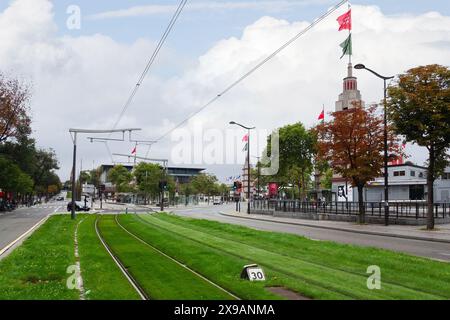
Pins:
x: 396, y: 209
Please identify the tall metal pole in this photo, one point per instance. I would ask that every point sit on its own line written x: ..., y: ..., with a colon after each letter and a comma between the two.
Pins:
x: 248, y: 175
x: 386, y: 172
x: 74, y: 174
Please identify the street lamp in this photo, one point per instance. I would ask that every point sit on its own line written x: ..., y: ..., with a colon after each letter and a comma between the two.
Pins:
x: 386, y: 173
x: 248, y: 161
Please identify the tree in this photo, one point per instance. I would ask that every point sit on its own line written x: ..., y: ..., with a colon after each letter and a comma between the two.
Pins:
x: 297, y: 151
x: 121, y: 178
x: 204, y: 184
x: 148, y: 176
x: 14, y: 118
x: 419, y: 107
x: 13, y: 179
x: 353, y: 143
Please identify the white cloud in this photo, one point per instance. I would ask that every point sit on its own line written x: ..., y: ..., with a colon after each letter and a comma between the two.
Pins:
x: 84, y: 81
x: 148, y: 10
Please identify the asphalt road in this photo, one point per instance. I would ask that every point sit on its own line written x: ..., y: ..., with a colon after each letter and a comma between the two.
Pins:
x: 14, y: 224
x: 435, y: 250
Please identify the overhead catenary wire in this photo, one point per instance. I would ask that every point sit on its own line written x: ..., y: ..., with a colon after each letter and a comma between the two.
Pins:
x: 151, y: 61
x: 255, y: 68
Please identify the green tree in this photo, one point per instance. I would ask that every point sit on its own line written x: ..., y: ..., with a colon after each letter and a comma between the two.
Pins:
x: 297, y: 151
x: 419, y: 107
x: 148, y: 176
x: 204, y: 184
x: 121, y: 178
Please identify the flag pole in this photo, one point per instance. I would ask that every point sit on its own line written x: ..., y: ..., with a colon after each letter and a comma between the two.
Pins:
x: 350, y: 34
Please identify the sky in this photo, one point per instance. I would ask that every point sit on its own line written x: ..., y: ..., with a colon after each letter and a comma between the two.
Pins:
x: 82, y: 77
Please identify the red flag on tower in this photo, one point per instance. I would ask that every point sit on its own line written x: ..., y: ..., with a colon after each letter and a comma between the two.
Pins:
x: 245, y: 138
x: 322, y: 115
x: 345, y: 21
x: 134, y: 151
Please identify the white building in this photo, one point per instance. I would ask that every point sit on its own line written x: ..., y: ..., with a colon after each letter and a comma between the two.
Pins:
x: 406, y: 182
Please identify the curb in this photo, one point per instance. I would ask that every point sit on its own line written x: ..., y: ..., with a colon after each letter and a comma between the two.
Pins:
x: 373, y: 233
x: 23, y: 236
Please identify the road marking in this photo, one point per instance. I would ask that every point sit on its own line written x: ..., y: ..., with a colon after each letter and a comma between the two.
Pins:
x: 445, y: 254
x: 9, y: 246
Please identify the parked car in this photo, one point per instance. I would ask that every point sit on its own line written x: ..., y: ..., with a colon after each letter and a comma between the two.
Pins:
x: 60, y: 199
x: 79, y: 206
x: 217, y: 201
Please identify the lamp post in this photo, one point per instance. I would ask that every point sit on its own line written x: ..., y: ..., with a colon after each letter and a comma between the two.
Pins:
x: 386, y: 173
x: 248, y: 161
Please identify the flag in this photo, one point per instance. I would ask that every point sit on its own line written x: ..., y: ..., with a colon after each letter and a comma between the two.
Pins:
x: 345, y: 21
x: 134, y: 151
x: 347, y: 46
x: 245, y: 147
x: 245, y: 138
x: 322, y: 115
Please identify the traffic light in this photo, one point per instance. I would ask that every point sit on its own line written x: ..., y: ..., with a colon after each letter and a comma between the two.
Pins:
x: 163, y: 185
x: 235, y: 186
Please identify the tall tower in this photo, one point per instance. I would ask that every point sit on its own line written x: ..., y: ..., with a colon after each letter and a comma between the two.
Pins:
x: 351, y: 94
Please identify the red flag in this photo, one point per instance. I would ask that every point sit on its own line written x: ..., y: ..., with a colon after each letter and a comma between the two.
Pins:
x: 245, y: 138
x: 134, y: 151
x: 345, y: 21
x: 322, y: 115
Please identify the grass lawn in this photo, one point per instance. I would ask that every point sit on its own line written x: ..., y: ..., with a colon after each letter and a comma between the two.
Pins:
x: 101, y: 276
x: 410, y: 271
x: 37, y: 269
x: 160, y: 277
x: 324, y: 267
x: 315, y: 269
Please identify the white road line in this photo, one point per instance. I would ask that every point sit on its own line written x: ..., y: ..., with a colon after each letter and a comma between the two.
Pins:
x: 9, y: 246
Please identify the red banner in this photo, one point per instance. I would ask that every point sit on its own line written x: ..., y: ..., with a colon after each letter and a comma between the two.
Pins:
x: 273, y: 189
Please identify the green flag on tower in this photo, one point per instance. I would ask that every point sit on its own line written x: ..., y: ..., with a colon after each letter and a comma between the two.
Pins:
x: 347, y: 46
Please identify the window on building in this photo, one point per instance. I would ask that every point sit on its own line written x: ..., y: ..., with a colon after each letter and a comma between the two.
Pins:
x: 446, y: 176
x: 399, y: 173
x: 421, y: 175
x: 416, y: 192
x: 413, y: 173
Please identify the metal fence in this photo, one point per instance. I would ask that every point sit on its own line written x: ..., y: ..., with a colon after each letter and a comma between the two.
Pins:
x: 396, y: 209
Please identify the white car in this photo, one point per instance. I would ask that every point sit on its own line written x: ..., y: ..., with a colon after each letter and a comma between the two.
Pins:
x: 217, y: 202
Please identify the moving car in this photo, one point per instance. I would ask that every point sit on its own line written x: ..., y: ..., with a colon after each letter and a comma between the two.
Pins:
x: 60, y: 199
x: 217, y: 201
x: 79, y: 206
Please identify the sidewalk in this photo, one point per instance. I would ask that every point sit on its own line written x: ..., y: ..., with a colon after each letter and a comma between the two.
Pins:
x: 396, y: 231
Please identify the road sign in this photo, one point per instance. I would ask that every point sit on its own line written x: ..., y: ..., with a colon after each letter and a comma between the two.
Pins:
x: 253, y: 273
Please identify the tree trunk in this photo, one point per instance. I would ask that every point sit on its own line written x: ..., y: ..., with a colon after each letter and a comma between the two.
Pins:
x: 362, y: 212
x: 430, y: 186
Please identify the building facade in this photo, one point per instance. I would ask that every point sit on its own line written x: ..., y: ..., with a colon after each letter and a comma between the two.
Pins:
x: 407, y: 182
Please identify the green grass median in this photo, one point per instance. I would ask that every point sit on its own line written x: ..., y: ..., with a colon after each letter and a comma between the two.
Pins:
x: 37, y: 269
x: 327, y: 267
x: 414, y: 272
x: 160, y: 277
x: 102, y: 278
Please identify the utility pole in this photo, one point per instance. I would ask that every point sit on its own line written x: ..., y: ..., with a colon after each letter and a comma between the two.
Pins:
x: 75, y: 133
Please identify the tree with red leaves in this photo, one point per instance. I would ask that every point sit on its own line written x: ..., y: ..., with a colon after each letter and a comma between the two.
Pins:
x: 14, y: 118
x: 353, y: 143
